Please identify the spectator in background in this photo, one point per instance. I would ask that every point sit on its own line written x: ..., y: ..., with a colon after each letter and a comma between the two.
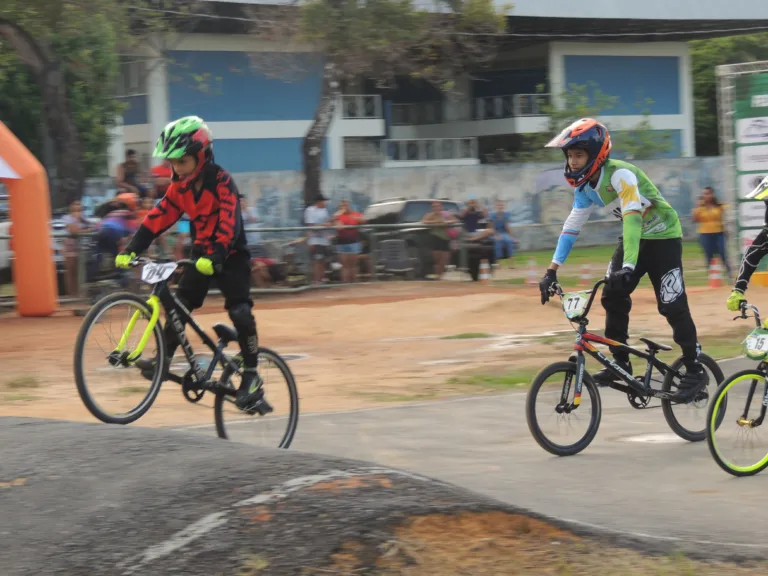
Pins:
x: 479, y: 237
x: 266, y: 272
x: 503, y: 239
x: 472, y: 214
x: 348, y: 241
x: 441, y: 243
x: 76, y: 224
x: 709, y: 217
x: 316, y: 216
x: 118, y: 224
x: 161, y: 178
x: 128, y: 173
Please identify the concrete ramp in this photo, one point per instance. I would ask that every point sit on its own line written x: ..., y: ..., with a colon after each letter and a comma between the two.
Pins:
x: 96, y: 499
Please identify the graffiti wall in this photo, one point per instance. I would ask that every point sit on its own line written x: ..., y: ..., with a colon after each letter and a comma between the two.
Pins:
x: 532, y: 193
x: 535, y: 194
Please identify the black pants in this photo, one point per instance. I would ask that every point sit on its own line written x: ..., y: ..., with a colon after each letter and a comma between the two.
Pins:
x: 662, y: 260
x: 234, y: 281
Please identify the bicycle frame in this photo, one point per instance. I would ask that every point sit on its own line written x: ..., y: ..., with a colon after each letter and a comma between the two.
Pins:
x: 584, y: 343
x: 178, y: 316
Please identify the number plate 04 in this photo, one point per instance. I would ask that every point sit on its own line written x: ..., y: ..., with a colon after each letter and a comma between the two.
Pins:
x: 154, y: 272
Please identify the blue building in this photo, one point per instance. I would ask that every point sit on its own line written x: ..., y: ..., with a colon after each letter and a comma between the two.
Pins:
x: 632, y: 50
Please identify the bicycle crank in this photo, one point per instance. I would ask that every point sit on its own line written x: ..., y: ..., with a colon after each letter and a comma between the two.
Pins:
x: 638, y: 402
x: 192, y: 391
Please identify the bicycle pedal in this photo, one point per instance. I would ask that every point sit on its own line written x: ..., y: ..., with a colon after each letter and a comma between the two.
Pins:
x: 261, y: 406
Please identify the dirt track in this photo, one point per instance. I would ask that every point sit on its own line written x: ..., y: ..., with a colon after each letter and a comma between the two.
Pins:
x: 344, y: 331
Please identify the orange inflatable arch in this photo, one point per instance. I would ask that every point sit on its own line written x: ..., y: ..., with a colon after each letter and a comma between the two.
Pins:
x: 34, y: 271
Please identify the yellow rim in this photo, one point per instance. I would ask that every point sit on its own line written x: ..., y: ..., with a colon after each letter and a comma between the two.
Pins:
x: 713, y: 425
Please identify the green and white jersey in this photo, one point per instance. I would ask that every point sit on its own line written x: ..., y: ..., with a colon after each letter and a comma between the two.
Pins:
x: 628, y: 194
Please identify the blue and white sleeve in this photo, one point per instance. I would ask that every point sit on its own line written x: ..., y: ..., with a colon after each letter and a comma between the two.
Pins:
x: 582, y: 208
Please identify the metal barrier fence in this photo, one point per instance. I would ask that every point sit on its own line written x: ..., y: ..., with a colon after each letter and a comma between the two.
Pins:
x: 283, y: 258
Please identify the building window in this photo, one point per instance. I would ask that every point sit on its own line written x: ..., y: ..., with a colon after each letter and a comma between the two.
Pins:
x: 132, y: 80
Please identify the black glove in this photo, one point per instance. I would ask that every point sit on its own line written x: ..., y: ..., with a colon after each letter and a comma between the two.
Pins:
x: 547, y: 281
x: 620, y: 278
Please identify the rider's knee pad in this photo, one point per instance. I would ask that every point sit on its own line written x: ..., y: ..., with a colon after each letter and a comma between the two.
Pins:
x: 242, y: 317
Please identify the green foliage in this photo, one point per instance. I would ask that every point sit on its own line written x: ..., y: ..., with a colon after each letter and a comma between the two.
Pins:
x: 85, y: 42
x: 587, y: 101
x: 706, y: 55
x: 380, y: 39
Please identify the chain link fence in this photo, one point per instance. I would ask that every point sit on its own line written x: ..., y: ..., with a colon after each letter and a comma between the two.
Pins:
x: 283, y: 259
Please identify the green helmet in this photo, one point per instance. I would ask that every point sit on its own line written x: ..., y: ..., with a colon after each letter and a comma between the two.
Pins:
x: 187, y: 135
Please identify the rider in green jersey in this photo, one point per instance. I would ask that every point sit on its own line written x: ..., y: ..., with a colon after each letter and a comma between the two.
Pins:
x: 651, y: 243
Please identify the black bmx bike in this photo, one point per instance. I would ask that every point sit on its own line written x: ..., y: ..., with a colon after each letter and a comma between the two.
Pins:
x: 115, y: 360
x: 571, y: 378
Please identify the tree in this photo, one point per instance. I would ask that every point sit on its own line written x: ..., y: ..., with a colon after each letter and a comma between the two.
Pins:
x: 70, y: 50
x: 379, y: 40
x: 706, y: 55
x: 639, y: 142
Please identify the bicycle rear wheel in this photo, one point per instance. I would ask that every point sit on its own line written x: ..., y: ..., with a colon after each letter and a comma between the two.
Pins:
x: 275, y: 429
x: 99, y: 369
x: 690, y: 422
x: 745, y: 392
x: 542, y: 384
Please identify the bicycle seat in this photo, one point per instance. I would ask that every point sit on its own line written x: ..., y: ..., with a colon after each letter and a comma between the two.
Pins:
x: 654, y: 346
x: 225, y: 332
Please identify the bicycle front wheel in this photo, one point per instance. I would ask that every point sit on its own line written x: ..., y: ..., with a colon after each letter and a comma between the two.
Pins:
x: 546, y: 394
x: 113, y: 390
x: 737, y: 443
x: 275, y: 429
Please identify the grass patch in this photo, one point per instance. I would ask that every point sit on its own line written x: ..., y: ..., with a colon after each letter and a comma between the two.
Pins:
x: 22, y: 382
x: 517, y: 378
x: 466, y: 336
x: 393, y: 397
x: 20, y: 398
x: 131, y: 390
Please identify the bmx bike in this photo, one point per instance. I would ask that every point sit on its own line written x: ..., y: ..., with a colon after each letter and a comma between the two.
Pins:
x: 756, y: 348
x: 119, y: 358
x: 639, y: 391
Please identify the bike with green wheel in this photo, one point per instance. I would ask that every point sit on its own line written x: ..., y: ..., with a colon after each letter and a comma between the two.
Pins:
x: 107, y: 358
x: 571, y: 378
x: 740, y: 403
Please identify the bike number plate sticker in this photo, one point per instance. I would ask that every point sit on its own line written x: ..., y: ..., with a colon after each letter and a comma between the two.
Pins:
x: 756, y: 344
x: 574, y: 303
x: 154, y: 272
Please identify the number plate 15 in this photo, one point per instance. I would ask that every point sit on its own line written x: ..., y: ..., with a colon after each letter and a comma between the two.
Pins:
x: 757, y: 344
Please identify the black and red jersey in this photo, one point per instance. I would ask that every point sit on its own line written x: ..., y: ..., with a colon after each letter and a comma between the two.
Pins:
x: 216, y: 223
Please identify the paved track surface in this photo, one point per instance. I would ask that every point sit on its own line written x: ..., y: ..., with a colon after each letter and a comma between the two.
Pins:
x: 637, y: 479
x: 97, y: 499
x: 90, y: 499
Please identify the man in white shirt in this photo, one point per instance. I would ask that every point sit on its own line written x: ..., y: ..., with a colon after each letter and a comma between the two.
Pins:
x: 317, y: 216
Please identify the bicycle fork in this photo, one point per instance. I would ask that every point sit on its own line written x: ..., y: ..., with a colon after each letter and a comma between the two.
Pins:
x: 563, y: 406
x: 154, y: 305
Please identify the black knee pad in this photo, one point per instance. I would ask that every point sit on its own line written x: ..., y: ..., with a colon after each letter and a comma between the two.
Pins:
x: 242, y: 317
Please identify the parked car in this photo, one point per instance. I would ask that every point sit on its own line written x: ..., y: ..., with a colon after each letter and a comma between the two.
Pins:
x: 404, y: 211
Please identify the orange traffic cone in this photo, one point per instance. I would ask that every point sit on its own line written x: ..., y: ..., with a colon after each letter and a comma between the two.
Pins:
x: 715, y: 274
x: 586, y: 275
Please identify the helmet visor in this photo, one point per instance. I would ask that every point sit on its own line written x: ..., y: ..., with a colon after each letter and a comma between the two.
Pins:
x: 560, y: 140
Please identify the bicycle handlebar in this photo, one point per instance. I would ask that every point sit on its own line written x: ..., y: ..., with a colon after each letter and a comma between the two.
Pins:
x: 744, y: 306
x: 139, y: 260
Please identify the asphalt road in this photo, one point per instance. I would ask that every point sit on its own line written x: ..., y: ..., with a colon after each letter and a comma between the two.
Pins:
x: 636, y: 480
